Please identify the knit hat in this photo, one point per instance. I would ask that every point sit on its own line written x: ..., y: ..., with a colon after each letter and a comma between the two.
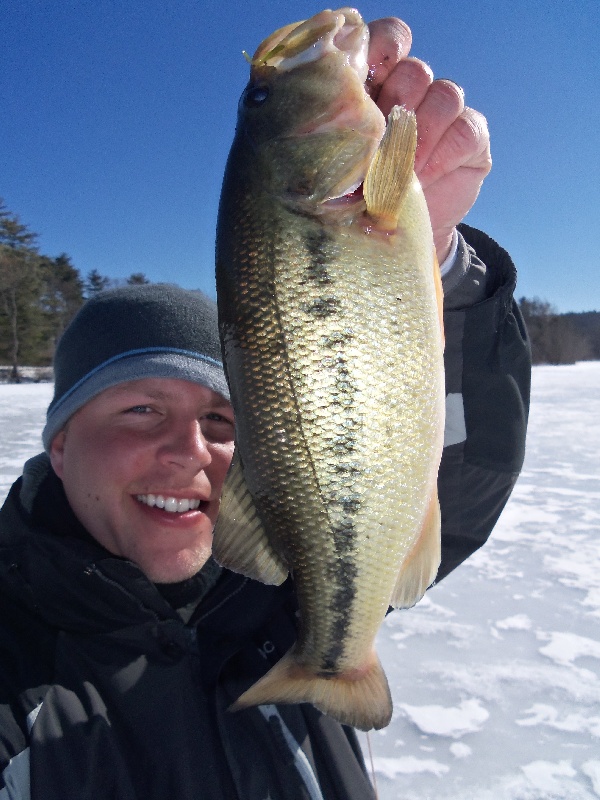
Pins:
x: 145, y: 331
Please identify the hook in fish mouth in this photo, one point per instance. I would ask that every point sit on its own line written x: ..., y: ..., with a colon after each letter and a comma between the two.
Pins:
x: 329, y: 31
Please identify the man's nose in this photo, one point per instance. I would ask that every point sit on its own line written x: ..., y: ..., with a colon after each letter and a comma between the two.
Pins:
x: 185, y: 446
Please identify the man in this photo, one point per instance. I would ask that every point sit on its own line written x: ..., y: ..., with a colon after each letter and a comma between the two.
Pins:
x: 122, y: 643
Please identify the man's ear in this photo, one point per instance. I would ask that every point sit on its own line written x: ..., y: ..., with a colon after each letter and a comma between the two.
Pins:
x: 57, y: 452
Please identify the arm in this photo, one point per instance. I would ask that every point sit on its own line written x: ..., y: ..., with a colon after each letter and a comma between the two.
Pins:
x: 487, y: 357
x: 488, y: 370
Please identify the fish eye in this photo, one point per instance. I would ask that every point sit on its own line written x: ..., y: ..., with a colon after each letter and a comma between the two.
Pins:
x: 256, y: 95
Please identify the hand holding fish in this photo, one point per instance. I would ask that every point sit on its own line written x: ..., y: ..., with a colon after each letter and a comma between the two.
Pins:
x: 453, y: 152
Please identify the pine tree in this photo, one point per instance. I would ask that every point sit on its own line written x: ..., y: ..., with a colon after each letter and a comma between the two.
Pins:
x: 95, y: 282
x: 61, y: 298
x: 19, y: 284
x: 136, y: 279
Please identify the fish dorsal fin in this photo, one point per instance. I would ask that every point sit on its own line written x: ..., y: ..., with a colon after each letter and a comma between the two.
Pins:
x: 390, y: 172
x: 420, y: 567
x: 240, y: 542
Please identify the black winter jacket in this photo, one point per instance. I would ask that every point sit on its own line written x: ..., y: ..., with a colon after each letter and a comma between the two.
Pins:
x: 110, y: 688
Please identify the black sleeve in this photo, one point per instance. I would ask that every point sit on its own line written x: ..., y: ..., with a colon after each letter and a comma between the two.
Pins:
x: 488, y: 372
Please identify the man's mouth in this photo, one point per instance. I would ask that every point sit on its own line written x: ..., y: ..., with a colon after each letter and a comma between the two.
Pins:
x: 174, y: 505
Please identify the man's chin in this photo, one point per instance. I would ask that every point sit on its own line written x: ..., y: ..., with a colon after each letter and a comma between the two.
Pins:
x: 175, y: 568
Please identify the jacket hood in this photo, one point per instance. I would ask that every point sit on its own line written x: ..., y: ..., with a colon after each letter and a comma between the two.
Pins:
x: 50, y: 565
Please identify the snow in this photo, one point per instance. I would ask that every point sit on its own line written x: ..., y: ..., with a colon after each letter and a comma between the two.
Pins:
x: 495, y: 674
x: 22, y: 417
x: 468, y: 717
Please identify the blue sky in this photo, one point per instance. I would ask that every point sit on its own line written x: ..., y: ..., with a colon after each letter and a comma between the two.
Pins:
x: 116, y: 117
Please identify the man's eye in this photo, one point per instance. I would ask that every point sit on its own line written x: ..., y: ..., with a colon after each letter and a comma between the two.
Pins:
x: 217, y: 417
x: 220, y: 418
x: 139, y: 410
x: 217, y: 428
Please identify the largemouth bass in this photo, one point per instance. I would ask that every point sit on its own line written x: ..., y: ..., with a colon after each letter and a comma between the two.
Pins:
x: 329, y: 304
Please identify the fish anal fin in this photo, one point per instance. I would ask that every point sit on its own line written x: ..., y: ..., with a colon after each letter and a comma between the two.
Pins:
x: 390, y: 172
x: 240, y: 542
x: 420, y: 567
x: 361, y: 699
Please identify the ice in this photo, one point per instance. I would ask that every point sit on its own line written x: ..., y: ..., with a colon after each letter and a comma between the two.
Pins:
x: 456, y: 721
x: 408, y: 765
x: 460, y: 750
x: 520, y: 622
x: 564, y: 648
x: 515, y: 629
x: 544, y: 775
x: 22, y: 415
x: 495, y: 675
x: 541, y: 714
x: 592, y: 770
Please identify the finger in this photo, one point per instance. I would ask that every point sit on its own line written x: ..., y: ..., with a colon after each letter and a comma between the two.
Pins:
x: 406, y: 85
x: 465, y: 144
x: 390, y: 40
x: 440, y: 107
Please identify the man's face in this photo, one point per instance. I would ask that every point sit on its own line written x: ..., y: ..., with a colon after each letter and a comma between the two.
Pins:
x: 141, y: 445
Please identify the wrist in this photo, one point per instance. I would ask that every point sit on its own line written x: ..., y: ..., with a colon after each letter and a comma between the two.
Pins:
x: 443, y: 241
x: 447, y: 264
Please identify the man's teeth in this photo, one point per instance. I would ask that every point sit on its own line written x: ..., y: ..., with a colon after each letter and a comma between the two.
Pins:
x: 172, y: 504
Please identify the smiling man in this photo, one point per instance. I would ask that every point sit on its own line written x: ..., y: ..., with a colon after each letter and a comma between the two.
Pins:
x: 122, y: 642
x: 143, y: 464
x: 140, y: 430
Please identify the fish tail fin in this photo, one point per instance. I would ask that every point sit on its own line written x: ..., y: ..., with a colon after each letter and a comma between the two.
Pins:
x: 361, y: 699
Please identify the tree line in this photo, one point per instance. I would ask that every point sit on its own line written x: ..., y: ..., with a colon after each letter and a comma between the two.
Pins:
x: 560, y: 338
x: 39, y: 295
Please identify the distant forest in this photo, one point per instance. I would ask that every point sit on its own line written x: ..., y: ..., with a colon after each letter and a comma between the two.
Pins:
x: 39, y: 295
x: 561, y: 338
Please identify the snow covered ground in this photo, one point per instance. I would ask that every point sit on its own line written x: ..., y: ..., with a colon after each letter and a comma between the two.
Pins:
x: 22, y: 417
x: 496, y: 673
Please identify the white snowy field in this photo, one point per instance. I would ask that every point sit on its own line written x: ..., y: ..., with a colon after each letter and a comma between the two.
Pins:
x: 496, y: 673
x: 22, y: 417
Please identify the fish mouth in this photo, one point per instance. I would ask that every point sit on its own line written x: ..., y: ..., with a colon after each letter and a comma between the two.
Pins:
x: 342, y: 31
x: 352, y: 196
x: 344, y: 34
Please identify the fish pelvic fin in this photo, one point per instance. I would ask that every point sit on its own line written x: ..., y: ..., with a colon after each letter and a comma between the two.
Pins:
x: 240, y: 542
x: 361, y: 699
x: 390, y: 172
x: 420, y: 567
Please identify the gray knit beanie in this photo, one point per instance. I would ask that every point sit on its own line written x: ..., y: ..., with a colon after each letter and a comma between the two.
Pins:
x: 145, y: 331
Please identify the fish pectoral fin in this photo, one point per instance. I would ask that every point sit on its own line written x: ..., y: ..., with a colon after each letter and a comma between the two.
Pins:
x: 240, y: 542
x: 361, y: 699
x: 390, y: 172
x: 420, y: 567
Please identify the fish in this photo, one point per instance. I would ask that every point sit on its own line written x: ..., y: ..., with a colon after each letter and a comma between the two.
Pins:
x: 329, y: 302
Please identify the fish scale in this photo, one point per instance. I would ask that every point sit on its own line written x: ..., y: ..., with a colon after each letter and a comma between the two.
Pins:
x: 332, y: 345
